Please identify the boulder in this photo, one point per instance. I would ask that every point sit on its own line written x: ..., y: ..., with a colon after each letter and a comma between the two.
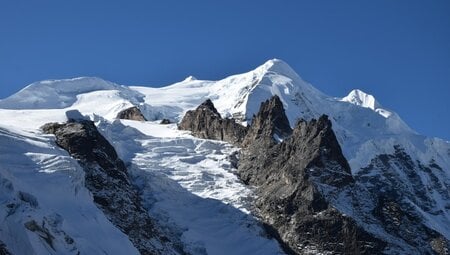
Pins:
x: 132, y: 113
x: 165, y: 122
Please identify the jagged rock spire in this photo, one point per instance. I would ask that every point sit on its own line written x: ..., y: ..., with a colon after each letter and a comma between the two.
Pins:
x: 206, y: 122
x: 269, y: 123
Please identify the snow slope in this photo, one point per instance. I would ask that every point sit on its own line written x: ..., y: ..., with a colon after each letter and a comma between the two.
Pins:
x: 190, y: 187
x: 187, y: 184
x: 363, y: 127
x: 358, y: 97
x: 44, y: 206
x: 56, y: 94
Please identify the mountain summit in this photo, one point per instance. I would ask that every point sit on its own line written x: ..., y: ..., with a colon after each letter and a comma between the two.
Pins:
x: 338, y: 166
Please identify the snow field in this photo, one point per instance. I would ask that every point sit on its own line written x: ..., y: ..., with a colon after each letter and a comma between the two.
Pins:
x: 190, y: 187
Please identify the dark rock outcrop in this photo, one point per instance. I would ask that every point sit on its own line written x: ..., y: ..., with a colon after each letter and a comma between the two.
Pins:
x: 293, y: 171
x: 268, y: 127
x: 132, y: 113
x: 292, y: 179
x: 270, y: 122
x: 106, y: 177
x: 83, y: 142
x: 400, y: 192
x: 165, y: 122
x: 3, y: 250
x: 206, y: 122
x: 42, y: 231
x: 309, y: 200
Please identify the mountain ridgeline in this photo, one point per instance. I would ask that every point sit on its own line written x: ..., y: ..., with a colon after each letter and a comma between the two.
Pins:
x: 107, y: 178
x: 267, y: 165
x: 306, y: 194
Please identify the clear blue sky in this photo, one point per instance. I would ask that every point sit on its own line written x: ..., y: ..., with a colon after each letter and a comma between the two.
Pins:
x: 398, y: 50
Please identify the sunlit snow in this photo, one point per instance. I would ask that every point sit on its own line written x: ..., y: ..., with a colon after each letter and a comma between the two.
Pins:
x: 187, y: 183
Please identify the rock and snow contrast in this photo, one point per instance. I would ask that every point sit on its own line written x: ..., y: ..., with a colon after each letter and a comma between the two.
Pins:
x: 268, y: 165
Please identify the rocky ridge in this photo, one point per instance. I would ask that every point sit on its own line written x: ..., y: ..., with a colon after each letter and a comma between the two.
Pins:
x: 290, y: 176
x: 307, y: 195
x: 399, y: 192
x: 107, y: 178
x: 269, y: 122
x: 206, y: 122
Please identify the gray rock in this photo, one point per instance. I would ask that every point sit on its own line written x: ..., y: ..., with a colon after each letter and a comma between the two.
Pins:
x: 165, y: 122
x: 289, y: 169
x: 132, y: 113
x: 270, y: 122
x: 3, y: 249
x: 42, y: 232
x: 206, y: 122
x: 399, y: 201
x: 106, y: 177
x: 289, y: 177
x: 308, y: 199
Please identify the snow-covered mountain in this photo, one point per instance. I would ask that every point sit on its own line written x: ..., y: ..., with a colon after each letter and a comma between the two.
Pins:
x: 189, y: 185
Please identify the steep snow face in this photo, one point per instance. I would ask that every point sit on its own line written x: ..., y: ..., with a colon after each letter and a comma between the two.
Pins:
x: 44, y: 206
x: 240, y: 96
x: 236, y: 96
x: 364, y: 129
x: 360, y: 98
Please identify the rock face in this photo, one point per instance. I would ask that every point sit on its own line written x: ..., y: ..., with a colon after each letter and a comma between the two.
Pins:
x: 165, y: 122
x: 290, y: 169
x: 398, y: 195
x: 206, y: 122
x: 106, y: 177
x: 269, y: 124
x: 308, y: 198
x: 310, y: 201
x: 132, y: 113
x: 291, y: 177
x: 3, y: 250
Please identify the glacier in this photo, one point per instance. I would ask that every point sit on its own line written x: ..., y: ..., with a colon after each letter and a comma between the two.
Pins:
x: 187, y: 183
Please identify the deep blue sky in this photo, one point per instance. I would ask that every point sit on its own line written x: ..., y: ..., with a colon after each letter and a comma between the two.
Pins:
x: 397, y: 50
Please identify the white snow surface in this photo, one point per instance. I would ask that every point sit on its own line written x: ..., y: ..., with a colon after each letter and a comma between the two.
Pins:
x: 40, y: 182
x: 360, y: 98
x: 190, y: 186
x: 186, y: 182
x: 363, y: 127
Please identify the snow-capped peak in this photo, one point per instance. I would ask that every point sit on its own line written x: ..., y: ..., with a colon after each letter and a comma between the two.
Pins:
x: 190, y: 78
x: 240, y: 95
x: 360, y: 98
x: 363, y: 129
x: 277, y: 66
